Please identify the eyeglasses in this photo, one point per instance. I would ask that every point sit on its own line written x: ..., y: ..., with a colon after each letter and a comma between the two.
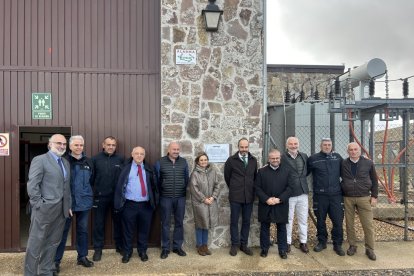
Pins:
x: 60, y: 144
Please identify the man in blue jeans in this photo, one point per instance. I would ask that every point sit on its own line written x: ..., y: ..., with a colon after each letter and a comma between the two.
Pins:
x: 82, y: 199
x: 172, y: 175
x: 240, y: 173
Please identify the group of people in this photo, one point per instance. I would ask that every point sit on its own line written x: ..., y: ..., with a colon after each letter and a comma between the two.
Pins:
x: 63, y: 186
x: 339, y: 186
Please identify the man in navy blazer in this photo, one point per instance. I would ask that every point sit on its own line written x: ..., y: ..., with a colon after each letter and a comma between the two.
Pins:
x: 49, y: 192
x: 136, y: 196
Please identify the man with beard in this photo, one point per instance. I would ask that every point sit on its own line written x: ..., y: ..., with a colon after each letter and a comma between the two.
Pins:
x: 240, y: 173
x: 50, y: 199
x: 273, y: 190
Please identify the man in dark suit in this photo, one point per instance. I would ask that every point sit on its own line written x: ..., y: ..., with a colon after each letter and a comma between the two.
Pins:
x: 240, y: 173
x: 136, y: 196
x: 49, y: 191
x: 273, y: 190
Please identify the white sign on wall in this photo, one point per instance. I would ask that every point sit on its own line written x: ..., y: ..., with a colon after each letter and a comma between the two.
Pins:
x: 4, y: 144
x: 185, y: 56
x: 217, y: 153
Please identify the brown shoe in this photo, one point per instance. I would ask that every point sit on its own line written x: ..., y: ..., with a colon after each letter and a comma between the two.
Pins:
x: 200, y: 250
x: 351, y: 250
x: 304, y: 248
x: 370, y: 253
x: 206, y: 250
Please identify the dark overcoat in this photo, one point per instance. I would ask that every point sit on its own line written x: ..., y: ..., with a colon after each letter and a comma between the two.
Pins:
x: 273, y: 183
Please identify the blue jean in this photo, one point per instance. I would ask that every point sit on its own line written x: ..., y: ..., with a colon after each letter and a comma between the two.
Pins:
x: 175, y: 206
x: 201, y: 236
x: 246, y: 210
x: 82, y: 218
x: 331, y: 205
x: 281, y: 236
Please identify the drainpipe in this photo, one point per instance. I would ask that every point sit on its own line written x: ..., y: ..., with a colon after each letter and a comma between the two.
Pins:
x: 265, y: 129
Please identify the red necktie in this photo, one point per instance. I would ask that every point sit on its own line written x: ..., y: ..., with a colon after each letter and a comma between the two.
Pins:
x: 141, y: 180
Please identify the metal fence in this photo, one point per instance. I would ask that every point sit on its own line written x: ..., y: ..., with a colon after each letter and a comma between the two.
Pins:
x: 394, y: 213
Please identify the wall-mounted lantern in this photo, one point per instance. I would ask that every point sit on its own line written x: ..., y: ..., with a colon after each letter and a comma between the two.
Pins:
x: 211, y: 16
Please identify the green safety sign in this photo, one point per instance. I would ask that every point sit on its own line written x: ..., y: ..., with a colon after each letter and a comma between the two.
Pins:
x: 42, y: 105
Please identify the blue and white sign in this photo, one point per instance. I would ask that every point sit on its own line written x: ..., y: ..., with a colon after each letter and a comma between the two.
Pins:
x: 185, y: 56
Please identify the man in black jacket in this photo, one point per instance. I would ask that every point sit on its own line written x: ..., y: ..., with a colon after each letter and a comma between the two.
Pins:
x: 172, y: 177
x: 325, y: 167
x: 107, y: 166
x: 298, y: 201
x: 240, y: 173
x: 360, y: 188
x: 273, y: 190
x: 136, y: 197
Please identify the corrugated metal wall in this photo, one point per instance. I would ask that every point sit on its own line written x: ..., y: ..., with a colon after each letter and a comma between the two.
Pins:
x: 99, y: 59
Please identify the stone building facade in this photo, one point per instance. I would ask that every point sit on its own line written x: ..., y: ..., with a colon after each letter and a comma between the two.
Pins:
x: 218, y: 100
x: 295, y: 78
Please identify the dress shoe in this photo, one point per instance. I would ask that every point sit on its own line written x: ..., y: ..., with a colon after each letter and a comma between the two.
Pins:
x: 283, y: 254
x: 370, y: 253
x: 263, y: 253
x: 57, y: 268
x: 164, y: 254
x: 206, y: 250
x: 125, y: 258
x: 85, y: 262
x: 143, y: 256
x: 233, y: 250
x: 97, y: 255
x: 288, y: 249
x: 246, y: 250
x: 304, y: 247
x: 180, y: 252
x: 120, y: 250
x: 319, y: 247
x: 339, y: 251
x: 351, y: 250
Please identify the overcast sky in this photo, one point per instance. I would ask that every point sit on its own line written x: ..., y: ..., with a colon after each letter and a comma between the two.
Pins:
x: 349, y: 32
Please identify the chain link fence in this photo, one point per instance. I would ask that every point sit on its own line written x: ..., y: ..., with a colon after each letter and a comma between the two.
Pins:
x: 394, y: 162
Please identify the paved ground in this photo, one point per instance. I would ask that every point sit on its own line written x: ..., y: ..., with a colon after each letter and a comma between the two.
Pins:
x: 393, y: 258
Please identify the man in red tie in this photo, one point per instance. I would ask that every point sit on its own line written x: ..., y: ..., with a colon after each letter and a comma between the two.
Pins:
x: 136, y: 196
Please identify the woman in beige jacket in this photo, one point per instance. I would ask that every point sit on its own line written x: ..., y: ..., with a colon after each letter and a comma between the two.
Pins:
x: 204, y: 191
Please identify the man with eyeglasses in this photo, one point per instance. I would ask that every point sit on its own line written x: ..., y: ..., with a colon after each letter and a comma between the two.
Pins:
x: 82, y: 200
x: 50, y: 199
x: 325, y: 167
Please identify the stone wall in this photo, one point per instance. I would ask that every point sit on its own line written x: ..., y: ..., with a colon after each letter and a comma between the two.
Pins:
x: 309, y: 78
x: 217, y: 100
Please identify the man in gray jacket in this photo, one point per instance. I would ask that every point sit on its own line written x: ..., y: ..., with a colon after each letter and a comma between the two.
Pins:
x: 49, y: 191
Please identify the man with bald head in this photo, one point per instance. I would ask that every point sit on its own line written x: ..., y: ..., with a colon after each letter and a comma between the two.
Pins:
x: 298, y: 201
x: 136, y: 196
x: 360, y: 189
x: 50, y: 200
x: 172, y: 177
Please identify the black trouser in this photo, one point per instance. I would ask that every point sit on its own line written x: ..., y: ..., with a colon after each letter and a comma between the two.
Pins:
x: 136, y: 216
x: 331, y: 205
x: 102, y: 204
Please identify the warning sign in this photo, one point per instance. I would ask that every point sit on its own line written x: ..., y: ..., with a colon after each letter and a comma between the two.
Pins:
x: 4, y: 144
